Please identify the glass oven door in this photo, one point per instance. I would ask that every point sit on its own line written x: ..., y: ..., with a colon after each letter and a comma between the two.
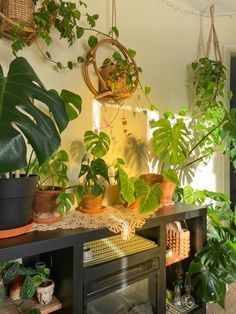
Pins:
x: 131, y: 291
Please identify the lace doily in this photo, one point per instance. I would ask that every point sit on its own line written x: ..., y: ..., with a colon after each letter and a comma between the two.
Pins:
x: 117, y: 219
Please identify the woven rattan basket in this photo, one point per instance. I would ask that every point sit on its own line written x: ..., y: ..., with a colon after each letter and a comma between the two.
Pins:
x: 18, y: 10
x: 13, y: 12
x: 178, y: 238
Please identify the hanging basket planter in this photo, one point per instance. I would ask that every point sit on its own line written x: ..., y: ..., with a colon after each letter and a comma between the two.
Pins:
x: 13, y: 14
x: 117, y: 78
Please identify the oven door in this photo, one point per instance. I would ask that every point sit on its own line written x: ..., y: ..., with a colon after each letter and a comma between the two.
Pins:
x: 132, y: 290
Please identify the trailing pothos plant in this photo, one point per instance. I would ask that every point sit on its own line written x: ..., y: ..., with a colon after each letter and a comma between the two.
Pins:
x: 69, y: 19
x: 132, y: 189
x: 183, y: 142
x: 94, y: 169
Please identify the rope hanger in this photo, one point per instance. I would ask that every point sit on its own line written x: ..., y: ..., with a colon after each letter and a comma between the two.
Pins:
x: 213, y: 38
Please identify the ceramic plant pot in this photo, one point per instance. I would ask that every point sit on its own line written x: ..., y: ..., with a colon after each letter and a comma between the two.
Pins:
x: 45, y: 293
x: 16, y: 201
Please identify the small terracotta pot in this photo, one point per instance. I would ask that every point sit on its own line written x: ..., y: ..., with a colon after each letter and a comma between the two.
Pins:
x: 92, y: 202
x: 92, y: 205
x: 44, y: 205
x: 152, y: 178
x: 134, y: 205
x: 168, y: 189
x: 45, y: 293
x: 15, y: 287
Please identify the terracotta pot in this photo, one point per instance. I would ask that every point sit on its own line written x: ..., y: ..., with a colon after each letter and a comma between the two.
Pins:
x: 44, y: 205
x: 15, y: 287
x: 152, y: 178
x: 168, y: 189
x: 92, y: 204
x: 45, y: 293
x: 134, y: 205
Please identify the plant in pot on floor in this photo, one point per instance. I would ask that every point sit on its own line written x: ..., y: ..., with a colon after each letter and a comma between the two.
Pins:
x: 51, y: 200
x: 136, y: 193
x: 93, y: 173
x: 24, y: 125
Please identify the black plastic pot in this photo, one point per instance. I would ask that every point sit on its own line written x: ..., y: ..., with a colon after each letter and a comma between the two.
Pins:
x: 16, y: 199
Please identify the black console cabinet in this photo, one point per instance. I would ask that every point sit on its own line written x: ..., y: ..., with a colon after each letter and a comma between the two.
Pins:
x: 65, y: 249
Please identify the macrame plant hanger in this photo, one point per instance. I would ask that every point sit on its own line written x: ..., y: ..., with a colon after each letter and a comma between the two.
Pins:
x: 213, y: 38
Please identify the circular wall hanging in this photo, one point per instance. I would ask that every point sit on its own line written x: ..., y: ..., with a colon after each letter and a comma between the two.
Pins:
x: 117, y: 77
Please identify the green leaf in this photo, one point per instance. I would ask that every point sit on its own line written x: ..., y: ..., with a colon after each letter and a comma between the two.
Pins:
x: 126, y: 186
x: 80, y: 59
x: 114, y: 30
x: 171, y: 175
x: 117, y: 56
x: 79, y: 32
x: 65, y: 201
x: 48, y: 55
x: 92, y: 41
x: 99, y: 167
x: 170, y: 141
x: 131, y: 53
x: 147, y: 90
x: 149, y: 196
x: 73, y: 103
x: 79, y: 192
x: 34, y: 127
x: 70, y: 65
x: 208, y: 285
x: 192, y: 196
x: 98, y: 144
x: 28, y: 289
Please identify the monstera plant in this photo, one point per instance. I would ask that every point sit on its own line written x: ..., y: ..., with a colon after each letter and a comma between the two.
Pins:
x: 25, y: 125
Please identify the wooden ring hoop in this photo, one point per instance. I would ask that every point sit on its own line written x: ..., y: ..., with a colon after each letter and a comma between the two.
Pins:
x: 90, y: 59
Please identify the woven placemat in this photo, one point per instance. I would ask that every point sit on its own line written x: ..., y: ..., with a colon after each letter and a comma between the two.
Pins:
x: 116, y: 218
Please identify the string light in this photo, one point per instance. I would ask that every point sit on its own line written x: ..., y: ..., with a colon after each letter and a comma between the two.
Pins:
x: 183, y: 7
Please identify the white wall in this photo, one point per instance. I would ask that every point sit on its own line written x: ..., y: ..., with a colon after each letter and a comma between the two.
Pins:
x: 166, y: 41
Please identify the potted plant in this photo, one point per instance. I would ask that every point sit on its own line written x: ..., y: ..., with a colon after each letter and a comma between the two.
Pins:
x: 9, y: 271
x: 51, y: 200
x: 213, y: 267
x: 118, y: 76
x: 94, y: 172
x: 24, y: 125
x: 136, y: 193
x: 44, y: 286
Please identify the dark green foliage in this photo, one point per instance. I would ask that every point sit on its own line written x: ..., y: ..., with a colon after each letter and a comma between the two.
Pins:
x: 35, y: 127
x: 28, y: 288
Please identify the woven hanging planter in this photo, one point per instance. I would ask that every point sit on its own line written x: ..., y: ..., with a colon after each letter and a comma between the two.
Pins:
x: 13, y: 12
x: 114, y: 82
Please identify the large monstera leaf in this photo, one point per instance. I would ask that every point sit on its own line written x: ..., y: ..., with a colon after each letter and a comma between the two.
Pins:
x: 22, y: 122
x: 170, y: 141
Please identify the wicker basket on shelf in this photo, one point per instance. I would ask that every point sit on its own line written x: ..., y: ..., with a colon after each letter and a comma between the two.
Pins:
x: 178, y: 238
x: 13, y: 12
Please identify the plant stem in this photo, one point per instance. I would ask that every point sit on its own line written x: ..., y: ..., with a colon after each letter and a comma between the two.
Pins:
x: 205, y: 136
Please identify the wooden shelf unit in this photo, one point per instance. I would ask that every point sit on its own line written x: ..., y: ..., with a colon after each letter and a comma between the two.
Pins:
x: 65, y: 249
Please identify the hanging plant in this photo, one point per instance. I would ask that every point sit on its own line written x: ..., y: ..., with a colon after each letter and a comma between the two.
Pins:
x: 23, y: 24
x: 118, y: 75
